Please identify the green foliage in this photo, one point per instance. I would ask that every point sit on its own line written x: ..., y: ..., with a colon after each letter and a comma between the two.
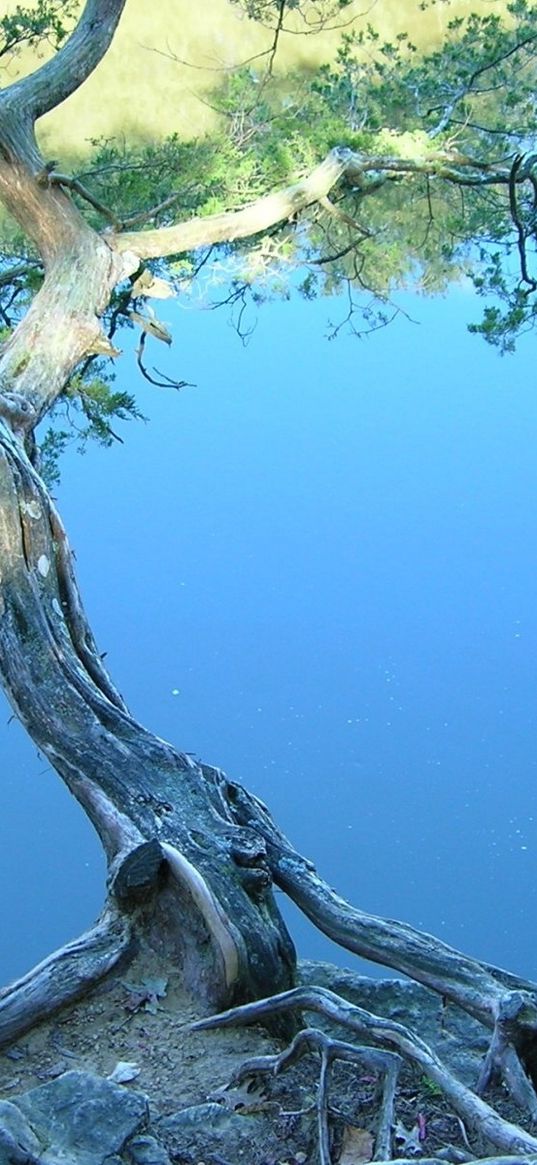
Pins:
x: 273, y: 12
x: 100, y: 405
x: 46, y: 22
x: 135, y: 180
x: 515, y: 309
x: 87, y: 411
x: 471, y: 97
x: 430, y: 1088
x: 52, y: 445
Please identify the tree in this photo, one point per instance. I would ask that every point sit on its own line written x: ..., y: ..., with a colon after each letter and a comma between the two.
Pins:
x: 192, y: 856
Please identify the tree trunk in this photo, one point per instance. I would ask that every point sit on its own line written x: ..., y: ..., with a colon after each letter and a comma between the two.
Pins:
x: 181, y: 871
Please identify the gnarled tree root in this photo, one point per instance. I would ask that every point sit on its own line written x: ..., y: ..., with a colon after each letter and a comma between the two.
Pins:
x: 502, y: 1061
x: 527, y: 1159
x: 386, y: 1064
x: 501, y: 1001
x: 64, y: 976
x: 477, y: 1115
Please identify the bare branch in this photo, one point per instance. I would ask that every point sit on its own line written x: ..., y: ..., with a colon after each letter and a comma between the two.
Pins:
x: 284, y: 204
x: 335, y: 212
x: 236, y: 224
x: 53, y: 178
x: 165, y: 381
x: 517, y: 220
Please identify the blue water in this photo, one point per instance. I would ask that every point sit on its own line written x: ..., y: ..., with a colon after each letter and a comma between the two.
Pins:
x: 316, y: 569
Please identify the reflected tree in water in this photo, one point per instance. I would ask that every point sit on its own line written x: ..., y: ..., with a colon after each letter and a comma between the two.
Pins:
x: 388, y: 168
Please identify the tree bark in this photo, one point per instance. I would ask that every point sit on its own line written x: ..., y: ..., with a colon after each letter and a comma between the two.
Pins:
x: 191, y: 856
x: 187, y: 875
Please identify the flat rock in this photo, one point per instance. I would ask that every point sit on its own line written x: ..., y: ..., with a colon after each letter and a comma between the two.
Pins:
x: 16, y: 1136
x: 146, y: 1150
x: 81, y: 1118
x: 460, y: 1041
x: 210, y: 1128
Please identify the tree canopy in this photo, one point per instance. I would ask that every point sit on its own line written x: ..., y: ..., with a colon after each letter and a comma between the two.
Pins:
x: 434, y: 182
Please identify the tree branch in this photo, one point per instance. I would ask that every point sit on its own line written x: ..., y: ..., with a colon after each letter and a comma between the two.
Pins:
x: 283, y: 204
x: 236, y: 224
x: 521, y: 230
x: 43, y: 90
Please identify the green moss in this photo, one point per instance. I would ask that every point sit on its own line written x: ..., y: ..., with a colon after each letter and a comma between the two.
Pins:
x: 21, y: 364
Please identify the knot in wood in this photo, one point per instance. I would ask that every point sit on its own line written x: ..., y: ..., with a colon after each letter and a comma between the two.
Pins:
x: 249, y: 853
x: 249, y: 849
x: 17, y: 410
x: 256, y: 881
x: 138, y: 875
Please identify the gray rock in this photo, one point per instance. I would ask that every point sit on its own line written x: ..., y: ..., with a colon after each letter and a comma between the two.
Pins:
x: 146, y: 1150
x: 210, y: 1128
x: 460, y: 1041
x: 83, y: 1119
x: 18, y: 1144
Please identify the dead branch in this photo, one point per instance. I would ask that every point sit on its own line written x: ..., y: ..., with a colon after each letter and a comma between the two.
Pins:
x: 163, y: 381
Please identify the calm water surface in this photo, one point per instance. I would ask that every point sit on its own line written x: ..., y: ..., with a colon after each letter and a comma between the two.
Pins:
x: 317, y: 570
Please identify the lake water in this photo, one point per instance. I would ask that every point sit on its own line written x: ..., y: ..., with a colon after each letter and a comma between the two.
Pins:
x: 316, y: 569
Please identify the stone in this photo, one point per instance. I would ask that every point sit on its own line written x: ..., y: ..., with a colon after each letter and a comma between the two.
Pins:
x: 210, y: 1128
x: 460, y: 1041
x: 146, y: 1150
x: 18, y: 1142
x: 83, y: 1118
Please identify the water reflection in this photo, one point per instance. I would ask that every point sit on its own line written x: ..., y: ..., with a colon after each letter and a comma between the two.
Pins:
x: 316, y: 570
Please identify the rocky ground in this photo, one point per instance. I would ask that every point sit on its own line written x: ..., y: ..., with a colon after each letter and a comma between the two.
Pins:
x: 120, y: 1079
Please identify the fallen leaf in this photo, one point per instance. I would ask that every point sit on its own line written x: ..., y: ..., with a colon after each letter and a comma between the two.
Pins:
x: 357, y: 1146
x: 241, y: 1097
x: 145, y: 995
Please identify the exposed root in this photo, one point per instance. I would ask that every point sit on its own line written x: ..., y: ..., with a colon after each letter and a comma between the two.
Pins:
x: 479, y: 1116
x: 387, y: 1064
x: 501, y: 1001
x: 502, y: 1061
x: 63, y: 977
x: 527, y: 1159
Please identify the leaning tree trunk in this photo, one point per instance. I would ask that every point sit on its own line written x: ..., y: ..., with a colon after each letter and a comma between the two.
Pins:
x: 181, y: 872
x: 191, y: 856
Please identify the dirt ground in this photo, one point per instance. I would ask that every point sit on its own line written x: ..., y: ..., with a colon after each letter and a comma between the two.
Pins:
x: 137, y: 1027
x: 117, y: 1024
